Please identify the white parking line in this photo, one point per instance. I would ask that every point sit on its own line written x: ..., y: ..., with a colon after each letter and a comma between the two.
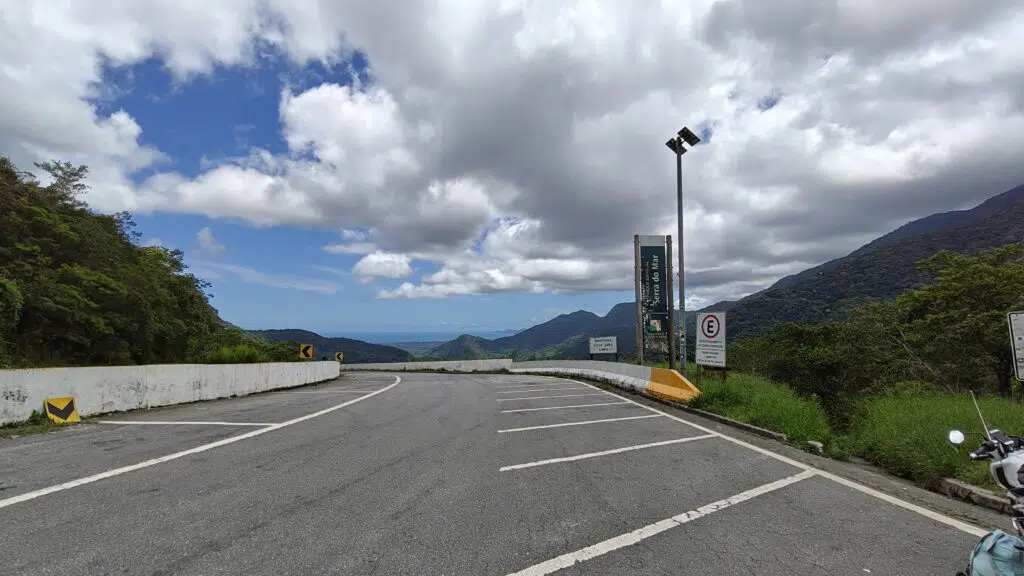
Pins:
x: 527, y: 390
x: 522, y: 385
x: 584, y: 422
x: 560, y: 407
x: 544, y: 397
x: 169, y: 423
x: 603, y: 453
x: 203, y: 448
x: 948, y: 521
x: 330, y: 391
x: 630, y: 538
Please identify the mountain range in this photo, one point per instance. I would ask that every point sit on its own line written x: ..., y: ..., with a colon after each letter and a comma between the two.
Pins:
x: 881, y: 269
x: 356, y: 351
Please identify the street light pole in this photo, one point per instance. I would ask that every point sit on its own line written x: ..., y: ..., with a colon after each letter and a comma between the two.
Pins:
x: 676, y: 145
x: 681, y: 338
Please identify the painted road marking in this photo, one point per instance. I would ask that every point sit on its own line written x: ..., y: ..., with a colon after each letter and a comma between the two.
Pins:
x: 603, y: 453
x: 169, y: 422
x: 560, y: 407
x: 952, y: 522
x: 203, y: 448
x: 522, y: 385
x: 640, y: 534
x: 330, y: 391
x: 545, y: 397
x: 580, y: 423
x: 527, y: 390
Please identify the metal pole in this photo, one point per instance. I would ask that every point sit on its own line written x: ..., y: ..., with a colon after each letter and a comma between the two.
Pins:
x: 671, y: 336
x: 682, y: 284
x: 639, y: 314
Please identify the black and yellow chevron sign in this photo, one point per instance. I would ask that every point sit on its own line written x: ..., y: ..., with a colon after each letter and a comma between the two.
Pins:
x: 339, y: 356
x: 61, y: 410
x: 306, y: 351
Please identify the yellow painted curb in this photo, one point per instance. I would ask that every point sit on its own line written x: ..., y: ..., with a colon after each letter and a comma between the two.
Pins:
x: 671, y: 385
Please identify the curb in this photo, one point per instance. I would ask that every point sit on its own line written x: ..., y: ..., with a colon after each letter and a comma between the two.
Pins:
x: 763, y: 432
x: 729, y: 421
x: 974, y: 495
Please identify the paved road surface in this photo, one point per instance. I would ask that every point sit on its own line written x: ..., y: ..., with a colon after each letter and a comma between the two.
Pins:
x: 431, y: 474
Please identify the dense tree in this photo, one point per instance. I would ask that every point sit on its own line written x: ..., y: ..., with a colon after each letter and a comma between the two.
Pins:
x: 76, y: 289
x: 950, y: 334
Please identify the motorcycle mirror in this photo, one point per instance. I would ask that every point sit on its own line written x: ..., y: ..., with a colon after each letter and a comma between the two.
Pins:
x: 956, y: 437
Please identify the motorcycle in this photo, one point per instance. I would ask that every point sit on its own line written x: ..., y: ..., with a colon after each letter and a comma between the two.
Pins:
x: 999, y: 553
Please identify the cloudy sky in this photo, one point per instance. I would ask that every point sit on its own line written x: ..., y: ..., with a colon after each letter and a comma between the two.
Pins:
x: 458, y: 165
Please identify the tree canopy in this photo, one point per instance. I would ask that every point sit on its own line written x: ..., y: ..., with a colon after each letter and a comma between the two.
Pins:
x: 948, y: 335
x: 77, y: 289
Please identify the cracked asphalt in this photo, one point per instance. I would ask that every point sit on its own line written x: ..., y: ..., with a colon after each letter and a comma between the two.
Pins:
x: 450, y: 475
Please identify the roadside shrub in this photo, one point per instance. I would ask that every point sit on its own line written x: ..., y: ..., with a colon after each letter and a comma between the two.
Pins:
x: 763, y: 403
x: 237, y: 354
x: 906, y: 434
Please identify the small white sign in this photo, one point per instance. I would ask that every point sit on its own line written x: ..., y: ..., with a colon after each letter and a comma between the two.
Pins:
x: 604, y: 345
x: 711, y: 339
x: 1016, y: 321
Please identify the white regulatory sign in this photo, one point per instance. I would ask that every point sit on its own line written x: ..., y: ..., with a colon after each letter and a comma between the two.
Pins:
x: 604, y: 345
x: 1016, y: 321
x: 711, y: 339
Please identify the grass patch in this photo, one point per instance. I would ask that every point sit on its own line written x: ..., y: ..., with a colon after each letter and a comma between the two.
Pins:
x: 906, y: 435
x: 762, y: 403
x: 37, y: 423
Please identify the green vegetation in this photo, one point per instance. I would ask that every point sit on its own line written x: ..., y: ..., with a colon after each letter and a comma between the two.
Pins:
x: 894, y: 377
x: 905, y: 434
x: 37, y: 423
x: 356, y: 351
x: 77, y: 290
x: 762, y: 403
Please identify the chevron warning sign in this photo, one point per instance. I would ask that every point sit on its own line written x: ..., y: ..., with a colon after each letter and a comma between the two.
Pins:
x: 339, y: 356
x: 61, y: 410
x: 306, y: 351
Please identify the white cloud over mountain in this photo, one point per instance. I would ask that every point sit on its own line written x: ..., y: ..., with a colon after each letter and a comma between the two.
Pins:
x: 520, y: 144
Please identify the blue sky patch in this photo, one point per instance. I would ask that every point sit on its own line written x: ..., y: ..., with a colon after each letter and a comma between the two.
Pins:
x: 281, y: 277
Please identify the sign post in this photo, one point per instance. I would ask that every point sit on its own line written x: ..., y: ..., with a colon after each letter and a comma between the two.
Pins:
x: 1016, y: 322
x: 654, y: 295
x: 604, y: 345
x: 711, y: 339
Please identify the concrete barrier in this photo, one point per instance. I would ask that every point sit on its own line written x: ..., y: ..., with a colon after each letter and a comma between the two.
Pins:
x: 658, y: 382
x: 629, y: 376
x: 446, y: 366
x: 98, y: 390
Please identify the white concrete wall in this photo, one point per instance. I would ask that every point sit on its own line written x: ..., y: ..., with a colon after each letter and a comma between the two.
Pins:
x: 112, y: 389
x: 629, y: 376
x: 450, y: 366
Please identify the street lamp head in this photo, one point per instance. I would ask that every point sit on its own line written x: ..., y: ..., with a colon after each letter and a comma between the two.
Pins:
x: 688, y: 135
x: 676, y: 146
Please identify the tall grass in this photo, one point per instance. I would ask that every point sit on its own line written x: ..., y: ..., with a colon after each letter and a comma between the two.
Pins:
x: 768, y: 405
x: 237, y: 354
x: 906, y: 435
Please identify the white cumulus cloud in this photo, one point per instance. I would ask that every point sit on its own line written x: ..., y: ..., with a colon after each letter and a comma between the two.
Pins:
x: 520, y: 145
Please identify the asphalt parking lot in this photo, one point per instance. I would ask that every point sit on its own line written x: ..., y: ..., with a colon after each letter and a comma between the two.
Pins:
x: 444, y: 474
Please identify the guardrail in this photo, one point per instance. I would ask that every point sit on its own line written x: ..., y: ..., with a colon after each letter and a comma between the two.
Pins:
x: 99, y: 390
x: 657, y: 382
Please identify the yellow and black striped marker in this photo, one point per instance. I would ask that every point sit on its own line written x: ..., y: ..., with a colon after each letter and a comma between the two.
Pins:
x: 61, y: 410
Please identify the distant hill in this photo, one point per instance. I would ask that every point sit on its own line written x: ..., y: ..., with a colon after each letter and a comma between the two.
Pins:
x: 919, y: 227
x: 881, y: 269
x: 880, y: 274
x: 356, y: 351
